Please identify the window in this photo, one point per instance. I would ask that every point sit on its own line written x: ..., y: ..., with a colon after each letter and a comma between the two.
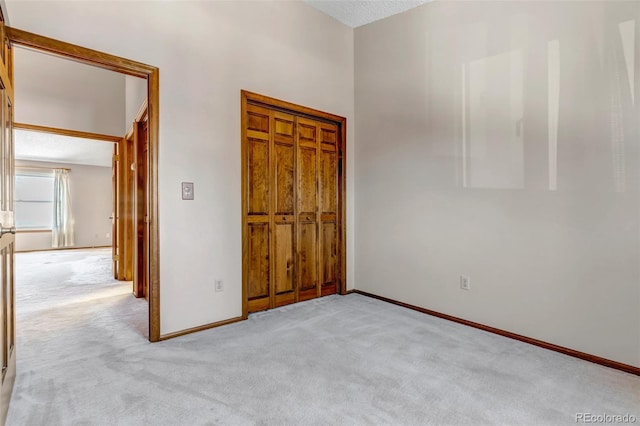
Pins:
x: 34, y: 200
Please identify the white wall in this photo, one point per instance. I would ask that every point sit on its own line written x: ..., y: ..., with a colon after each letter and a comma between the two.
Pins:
x: 135, y: 95
x: 459, y: 107
x: 50, y: 91
x: 207, y: 52
x: 91, y: 205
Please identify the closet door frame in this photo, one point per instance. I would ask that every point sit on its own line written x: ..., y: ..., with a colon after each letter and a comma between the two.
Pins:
x: 250, y: 98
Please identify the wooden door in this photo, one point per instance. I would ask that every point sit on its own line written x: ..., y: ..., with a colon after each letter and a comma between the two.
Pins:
x: 124, y: 211
x: 141, y: 203
x: 7, y: 232
x: 136, y: 227
x: 291, y: 207
x: 123, y: 207
x: 129, y: 207
x: 114, y: 213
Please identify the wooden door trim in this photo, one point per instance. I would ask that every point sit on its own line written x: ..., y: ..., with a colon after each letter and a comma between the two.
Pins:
x: 79, y: 53
x: 67, y: 132
x: 251, y: 98
x: 137, y: 69
x: 289, y: 108
x: 140, y: 116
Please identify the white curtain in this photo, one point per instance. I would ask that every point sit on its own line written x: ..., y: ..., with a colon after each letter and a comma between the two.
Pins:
x: 62, y: 230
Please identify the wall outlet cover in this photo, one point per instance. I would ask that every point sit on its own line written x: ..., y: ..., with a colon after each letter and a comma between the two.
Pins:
x: 465, y: 282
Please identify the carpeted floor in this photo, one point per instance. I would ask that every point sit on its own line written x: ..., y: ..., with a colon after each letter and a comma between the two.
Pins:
x: 83, y: 359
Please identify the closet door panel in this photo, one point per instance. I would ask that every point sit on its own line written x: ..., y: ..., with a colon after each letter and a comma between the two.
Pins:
x: 258, y: 177
x: 258, y: 207
x: 307, y: 256
x: 328, y: 136
x: 328, y: 256
x: 257, y: 161
x: 284, y: 164
x: 328, y: 179
x: 307, y: 177
x: 258, y: 259
x: 284, y: 257
x: 307, y: 198
x: 307, y: 133
x: 284, y: 263
x: 284, y: 192
x: 284, y: 179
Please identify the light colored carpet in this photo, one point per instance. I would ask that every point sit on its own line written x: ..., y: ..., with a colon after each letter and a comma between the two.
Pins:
x: 337, y: 360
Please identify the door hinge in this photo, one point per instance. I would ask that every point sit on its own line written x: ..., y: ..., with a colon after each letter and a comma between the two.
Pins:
x: 116, y: 158
x: 116, y: 258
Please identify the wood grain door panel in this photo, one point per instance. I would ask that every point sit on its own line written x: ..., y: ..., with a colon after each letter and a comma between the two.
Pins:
x: 307, y: 174
x: 258, y: 176
x: 284, y: 262
x: 258, y: 219
x: 307, y: 195
x: 257, y: 149
x: 258, y: 257
x: 328, y: 257
x: 284, y: 208
x: 307, y: 261
x: 328, y: 180
x: 284, y: 178
x: 141, y: 208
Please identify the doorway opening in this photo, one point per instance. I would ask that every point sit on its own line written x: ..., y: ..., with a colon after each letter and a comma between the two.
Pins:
x: 147, y: 256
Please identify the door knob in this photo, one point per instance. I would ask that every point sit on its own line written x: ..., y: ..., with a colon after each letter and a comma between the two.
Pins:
x: 3, y: 230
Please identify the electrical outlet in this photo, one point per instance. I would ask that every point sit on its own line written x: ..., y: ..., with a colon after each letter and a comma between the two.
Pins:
x: 465, y: 282
x: 219, y: 286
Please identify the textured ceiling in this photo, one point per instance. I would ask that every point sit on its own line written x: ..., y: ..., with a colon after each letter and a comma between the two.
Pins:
x: 355, y: 13
x: 37, y: 146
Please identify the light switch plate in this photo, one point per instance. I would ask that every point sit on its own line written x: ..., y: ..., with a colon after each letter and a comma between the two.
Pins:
x: 187, y: 190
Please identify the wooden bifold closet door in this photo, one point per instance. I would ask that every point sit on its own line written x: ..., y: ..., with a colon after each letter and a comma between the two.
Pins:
x: 291, y: 207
